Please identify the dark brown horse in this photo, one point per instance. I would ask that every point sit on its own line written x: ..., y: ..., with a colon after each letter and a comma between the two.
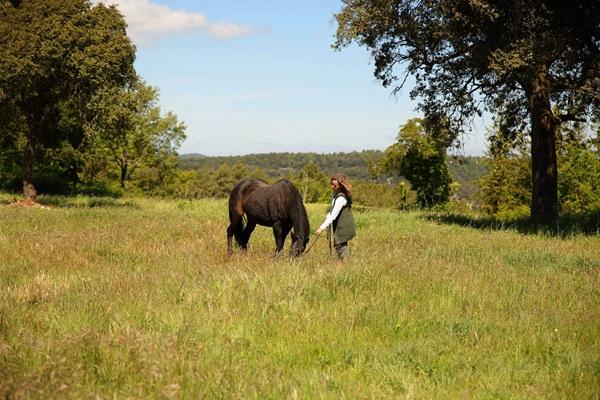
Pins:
x: 278, y: 205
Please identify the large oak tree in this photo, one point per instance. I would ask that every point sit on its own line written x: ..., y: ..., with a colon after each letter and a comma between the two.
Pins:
x: 517, y: 59
x: 54, y: 56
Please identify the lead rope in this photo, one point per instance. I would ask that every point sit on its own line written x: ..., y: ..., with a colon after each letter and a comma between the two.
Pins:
x: 313, y: 243
x: 329, y: 239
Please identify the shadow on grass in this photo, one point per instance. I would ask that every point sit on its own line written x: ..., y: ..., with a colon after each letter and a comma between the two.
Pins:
x: 85, y: 202
x: 567, y: 225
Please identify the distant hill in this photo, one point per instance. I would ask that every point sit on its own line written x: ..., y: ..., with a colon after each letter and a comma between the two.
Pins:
x: 191, y: 156
x: 354, y: 164
x: 464, y: 170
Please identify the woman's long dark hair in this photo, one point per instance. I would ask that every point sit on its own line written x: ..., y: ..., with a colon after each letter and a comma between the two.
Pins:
x: 344, y: 184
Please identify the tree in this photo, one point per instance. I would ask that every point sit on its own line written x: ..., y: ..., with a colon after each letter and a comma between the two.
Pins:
x: 515, y: 58
x: 127, y: 127
x: 11, y: 134
x: 312, y: 183
x: 505, y: 191
x: 54, y: 56
x: 162, y: 163
x: 579, y: 167
x: 421, y: 159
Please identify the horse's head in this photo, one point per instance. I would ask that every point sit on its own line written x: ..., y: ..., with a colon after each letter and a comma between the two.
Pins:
x: 299, y: 243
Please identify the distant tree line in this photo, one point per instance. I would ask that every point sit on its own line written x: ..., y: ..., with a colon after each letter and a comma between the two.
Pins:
x: 311, y: 181
x: 280, y: 164
x: 361, y: 166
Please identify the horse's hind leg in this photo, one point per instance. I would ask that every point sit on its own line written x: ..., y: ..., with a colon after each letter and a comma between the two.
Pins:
x: 230, y: 229
x: 234, y: 230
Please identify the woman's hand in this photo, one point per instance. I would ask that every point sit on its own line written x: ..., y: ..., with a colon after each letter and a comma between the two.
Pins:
x: 318, y: 232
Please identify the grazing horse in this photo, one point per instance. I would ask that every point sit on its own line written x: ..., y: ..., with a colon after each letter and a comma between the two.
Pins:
x: 278, y: 205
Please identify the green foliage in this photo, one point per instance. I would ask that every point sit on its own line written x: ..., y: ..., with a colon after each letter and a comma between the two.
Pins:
x: 465, y: 171
x: 353, y: 164
x: 375, y: 194
x: 421, y: 159
x: 54, y: 56
x: 506, y: 190
x: 579, y: 179
x: 73, y: 114
x: 363, y: 167
x: 518, y: 59
x: 313, y: 184
x: 214, y: 183
x: 310, y: 180
x: 128, y: 130
x: 12, y: 144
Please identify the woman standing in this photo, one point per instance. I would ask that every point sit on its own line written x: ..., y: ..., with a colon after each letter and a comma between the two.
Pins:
x: 340, y: 215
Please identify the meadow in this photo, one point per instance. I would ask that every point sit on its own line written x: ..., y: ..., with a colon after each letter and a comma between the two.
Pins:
x: 135, y: 298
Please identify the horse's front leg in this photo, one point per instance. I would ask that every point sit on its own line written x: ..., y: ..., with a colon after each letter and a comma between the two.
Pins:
x: 280, y: 231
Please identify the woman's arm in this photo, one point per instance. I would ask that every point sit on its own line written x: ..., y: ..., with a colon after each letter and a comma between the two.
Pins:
x: 338, y: 204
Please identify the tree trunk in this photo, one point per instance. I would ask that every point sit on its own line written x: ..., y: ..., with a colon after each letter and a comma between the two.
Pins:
x: 305, y: 184
x: 28, y: 189
x: 123, y: 174
x: 37, y: 121
x: 544, y: 199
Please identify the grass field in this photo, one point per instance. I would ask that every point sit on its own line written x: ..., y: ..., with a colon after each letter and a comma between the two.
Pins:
x: 103, y: 298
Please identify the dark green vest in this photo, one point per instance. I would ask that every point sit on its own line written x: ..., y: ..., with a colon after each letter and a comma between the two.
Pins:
x: 343, y: 225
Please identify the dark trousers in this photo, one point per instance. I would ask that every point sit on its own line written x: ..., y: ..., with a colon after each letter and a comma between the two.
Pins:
x: 342, y: 250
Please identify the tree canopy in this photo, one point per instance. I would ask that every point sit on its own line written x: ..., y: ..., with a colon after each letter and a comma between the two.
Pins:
x: 54, y: 56
x: 519, y: 60
x: 421, y: 159
x: 128, y: 129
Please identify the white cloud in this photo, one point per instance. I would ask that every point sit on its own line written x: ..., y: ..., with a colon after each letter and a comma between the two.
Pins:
x: 148, y: 22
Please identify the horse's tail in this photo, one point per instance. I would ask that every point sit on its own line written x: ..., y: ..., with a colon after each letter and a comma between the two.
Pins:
x: 237, y: 198
x: 236, y: 214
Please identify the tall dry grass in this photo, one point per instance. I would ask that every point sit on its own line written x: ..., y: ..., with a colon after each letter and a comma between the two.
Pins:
x: 136, y: 299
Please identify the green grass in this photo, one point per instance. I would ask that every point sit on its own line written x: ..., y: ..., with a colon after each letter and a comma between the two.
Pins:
x: 134, y: 298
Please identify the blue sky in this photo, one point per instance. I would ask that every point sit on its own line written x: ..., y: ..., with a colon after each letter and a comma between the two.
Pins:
x: 261, y: 76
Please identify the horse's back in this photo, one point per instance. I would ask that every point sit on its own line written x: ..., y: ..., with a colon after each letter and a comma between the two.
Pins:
x: 240, y: 193
x: 284, y: 184
x: 248, y: 184
x: 281, y: 192
x: 266, y: 204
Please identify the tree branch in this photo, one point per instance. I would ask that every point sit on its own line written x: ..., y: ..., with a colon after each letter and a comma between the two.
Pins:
x: 568, y: 117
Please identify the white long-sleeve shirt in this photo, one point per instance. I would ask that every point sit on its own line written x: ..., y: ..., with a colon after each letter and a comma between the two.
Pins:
x: 336, y: 206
